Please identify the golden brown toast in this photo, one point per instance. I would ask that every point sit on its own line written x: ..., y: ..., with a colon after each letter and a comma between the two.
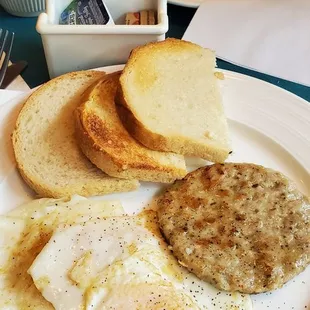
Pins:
x: 45, y: 147
x: 173, y: 100
x: 105, y: 141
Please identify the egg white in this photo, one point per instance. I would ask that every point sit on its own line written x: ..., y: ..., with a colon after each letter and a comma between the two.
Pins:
x: 137, y: 282
x: 25, y: 231
x: 121, y: 263
x: 11, y: 230
x: 87, y: 249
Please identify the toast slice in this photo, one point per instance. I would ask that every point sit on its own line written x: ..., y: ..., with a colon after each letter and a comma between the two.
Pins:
x: 173, y: 100
x: 46, y: 151
x: 105, y: 141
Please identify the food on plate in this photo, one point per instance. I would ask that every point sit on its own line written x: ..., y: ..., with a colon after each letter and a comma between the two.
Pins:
x: 87, y: 254
x: 105, y: 141
x: 26, y: 230
x: 173, y: 100
x: 232, y: 229
x: 121, y: 262
x: 241, y: 227
x: 46, y: 151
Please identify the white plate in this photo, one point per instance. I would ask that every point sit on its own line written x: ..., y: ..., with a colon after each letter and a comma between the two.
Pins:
x: 186, y: 3
x: 269, y: 126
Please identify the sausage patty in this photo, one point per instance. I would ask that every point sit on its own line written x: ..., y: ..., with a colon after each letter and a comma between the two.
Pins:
x: 241, y: 227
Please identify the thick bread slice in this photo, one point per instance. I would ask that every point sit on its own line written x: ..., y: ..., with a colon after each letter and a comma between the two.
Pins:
x: 105, y: 141
x: 46, y: 151
x: 170, y: 89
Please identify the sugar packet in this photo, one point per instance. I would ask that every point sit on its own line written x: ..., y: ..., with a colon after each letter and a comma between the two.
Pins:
x: 86, y: 12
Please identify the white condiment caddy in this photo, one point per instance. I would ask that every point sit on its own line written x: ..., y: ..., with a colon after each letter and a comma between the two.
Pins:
x: 76, y: 47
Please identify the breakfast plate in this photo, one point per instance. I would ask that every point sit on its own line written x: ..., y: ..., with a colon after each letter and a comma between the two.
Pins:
x: 268, y: 125
x: 186, y: 3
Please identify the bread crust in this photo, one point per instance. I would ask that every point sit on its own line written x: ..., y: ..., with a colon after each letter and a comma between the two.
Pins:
x: 31, y: 172
x: 109, y: 146
x: 179, y: 144
x: 157, y: 142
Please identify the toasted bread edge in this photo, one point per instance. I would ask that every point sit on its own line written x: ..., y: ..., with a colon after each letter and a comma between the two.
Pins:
x: 60, y: 192
x: 99, y: 157
x: 176, y: 144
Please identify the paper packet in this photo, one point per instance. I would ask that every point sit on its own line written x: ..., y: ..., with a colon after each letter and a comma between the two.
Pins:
x: 86, y: 12
x: 145, y: 17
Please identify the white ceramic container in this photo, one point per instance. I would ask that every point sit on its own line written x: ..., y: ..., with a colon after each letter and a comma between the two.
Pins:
x: 77, y: 47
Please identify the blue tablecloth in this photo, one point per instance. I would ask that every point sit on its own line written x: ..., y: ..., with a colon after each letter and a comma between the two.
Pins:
x: 28, y: 46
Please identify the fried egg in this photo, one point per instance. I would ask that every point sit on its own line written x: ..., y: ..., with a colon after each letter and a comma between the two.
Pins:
x: 141, y: 283
x: 121, y: 263
x: 25, y: 231
x: 148, y: 273
x: 11, y: 230
x: 81, y: 251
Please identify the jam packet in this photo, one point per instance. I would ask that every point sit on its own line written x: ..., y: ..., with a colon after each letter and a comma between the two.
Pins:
x: 146, y: 17
x: 86, y: 12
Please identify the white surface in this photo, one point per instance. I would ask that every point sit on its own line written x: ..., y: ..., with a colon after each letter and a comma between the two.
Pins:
x: 18, y: 85
x: 186, y: 3
x: 269, y: 36
x: 76, y: 47
x: 269, y: 126
x: 7, y: 95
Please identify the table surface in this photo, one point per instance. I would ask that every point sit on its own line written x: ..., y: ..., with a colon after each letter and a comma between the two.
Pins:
x: 28, y: 46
